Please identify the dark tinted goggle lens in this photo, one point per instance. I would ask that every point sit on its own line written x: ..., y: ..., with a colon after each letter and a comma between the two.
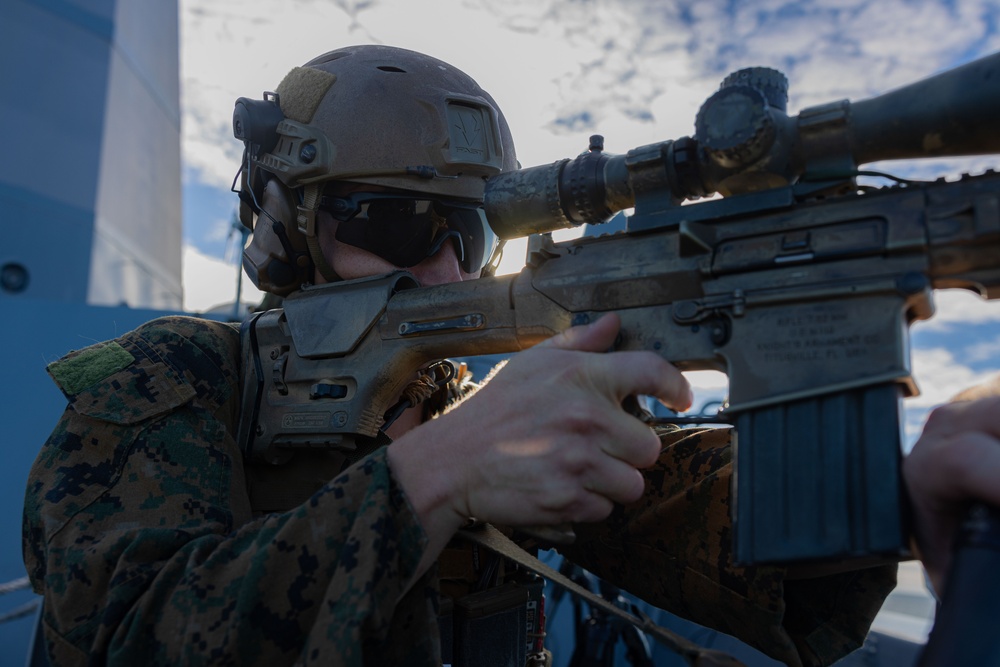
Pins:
x: 406, y: 231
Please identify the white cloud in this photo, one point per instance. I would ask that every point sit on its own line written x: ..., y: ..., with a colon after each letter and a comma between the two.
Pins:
x: 219, y: 229
x: 984, y: 352
x: 940, y: 376
x: 956, y: 308
x: 210, y: 282
x: 232, y: 48
x: 638, y: 69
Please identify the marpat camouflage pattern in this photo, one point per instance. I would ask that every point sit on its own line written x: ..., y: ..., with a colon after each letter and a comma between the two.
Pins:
x: 138, y: 530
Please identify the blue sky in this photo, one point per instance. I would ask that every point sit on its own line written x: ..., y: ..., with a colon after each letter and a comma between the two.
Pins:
x: 635, y: 71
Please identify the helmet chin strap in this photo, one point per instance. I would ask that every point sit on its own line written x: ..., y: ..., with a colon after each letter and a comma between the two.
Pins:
x: 306, y: 221
x: 319, y: 260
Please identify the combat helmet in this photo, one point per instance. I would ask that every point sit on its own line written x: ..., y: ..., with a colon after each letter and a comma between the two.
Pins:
x: 400, y: 122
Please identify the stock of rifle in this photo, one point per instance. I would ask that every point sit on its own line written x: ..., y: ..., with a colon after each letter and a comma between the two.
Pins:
x: 798, y: 284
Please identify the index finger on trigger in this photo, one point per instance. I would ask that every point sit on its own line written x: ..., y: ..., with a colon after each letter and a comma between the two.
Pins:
x: 649, y: 374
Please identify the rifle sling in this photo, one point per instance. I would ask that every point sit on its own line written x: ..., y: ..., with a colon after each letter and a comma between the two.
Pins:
x: 492, y: 539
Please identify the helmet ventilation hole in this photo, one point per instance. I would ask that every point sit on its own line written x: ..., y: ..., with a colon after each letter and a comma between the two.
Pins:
x: 390, y: 68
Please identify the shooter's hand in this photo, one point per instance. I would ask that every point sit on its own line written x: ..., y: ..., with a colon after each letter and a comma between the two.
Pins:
x: 546, y: 441
x: 956, y: 461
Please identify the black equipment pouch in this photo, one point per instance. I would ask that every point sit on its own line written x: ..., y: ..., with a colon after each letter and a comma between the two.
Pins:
x: 486, y: 629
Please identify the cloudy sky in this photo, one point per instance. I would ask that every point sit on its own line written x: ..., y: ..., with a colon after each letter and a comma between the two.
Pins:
x: 635, y: 71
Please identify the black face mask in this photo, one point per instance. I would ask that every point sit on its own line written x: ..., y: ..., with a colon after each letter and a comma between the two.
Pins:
x: 405, y: 231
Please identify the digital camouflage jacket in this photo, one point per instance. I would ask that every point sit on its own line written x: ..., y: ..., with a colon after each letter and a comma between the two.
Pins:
x: 138, y: 531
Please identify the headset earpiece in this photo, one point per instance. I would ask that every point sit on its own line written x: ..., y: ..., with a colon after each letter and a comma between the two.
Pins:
x: 255, y: 123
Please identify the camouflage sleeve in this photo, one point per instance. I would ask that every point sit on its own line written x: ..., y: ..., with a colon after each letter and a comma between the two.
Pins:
x: 672, y: 548
x: 138, y: 533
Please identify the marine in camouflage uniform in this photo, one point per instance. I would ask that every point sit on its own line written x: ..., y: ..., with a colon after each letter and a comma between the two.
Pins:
x: 139, y: 532
x: 154, y: 542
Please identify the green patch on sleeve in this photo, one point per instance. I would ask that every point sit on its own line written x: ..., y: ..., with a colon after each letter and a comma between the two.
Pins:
x: 79, y: 371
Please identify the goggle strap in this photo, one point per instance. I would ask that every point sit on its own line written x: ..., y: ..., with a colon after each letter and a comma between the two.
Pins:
x: 490, y: 269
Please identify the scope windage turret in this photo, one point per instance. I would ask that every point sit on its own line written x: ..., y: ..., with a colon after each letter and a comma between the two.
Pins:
x: 735, y: 126
x: 745, y: 142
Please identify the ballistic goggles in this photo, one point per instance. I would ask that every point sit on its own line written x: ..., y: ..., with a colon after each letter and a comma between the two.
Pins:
x: 405, y: 231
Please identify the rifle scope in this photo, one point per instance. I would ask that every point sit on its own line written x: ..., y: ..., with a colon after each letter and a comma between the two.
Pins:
x: 745, y: 142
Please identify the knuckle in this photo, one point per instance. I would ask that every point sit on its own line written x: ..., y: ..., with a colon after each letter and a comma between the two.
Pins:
x: 635, y: 488
x: 649, y: 451
x: 576, y: 463
x: 941, y: 419
x: 579, y: 416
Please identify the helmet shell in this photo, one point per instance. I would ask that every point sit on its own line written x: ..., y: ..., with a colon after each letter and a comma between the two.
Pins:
x: 397, y: 119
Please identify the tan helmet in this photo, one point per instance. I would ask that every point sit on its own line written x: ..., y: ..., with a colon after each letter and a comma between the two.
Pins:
x: 375, y: 115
